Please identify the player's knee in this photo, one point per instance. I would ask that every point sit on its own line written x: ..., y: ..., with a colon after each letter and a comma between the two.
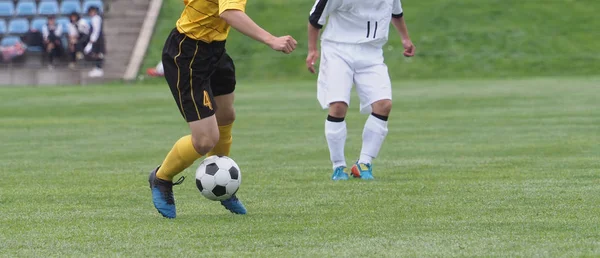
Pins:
x: 204, y: 143
x: 338, y: 109
x: 382, y: 107
x: 226, y: 117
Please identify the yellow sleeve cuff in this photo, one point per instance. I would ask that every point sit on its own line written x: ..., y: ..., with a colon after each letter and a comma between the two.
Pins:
x: 232, y: 5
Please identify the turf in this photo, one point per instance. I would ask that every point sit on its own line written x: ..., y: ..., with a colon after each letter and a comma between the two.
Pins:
x: 454, y: 39
x: 470, y: 168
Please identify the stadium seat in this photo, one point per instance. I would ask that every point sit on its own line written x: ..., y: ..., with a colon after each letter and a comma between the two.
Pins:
x: 10, y: 41
x: 49, y: 7
x: 69, y: 6
x: 89, y: 3
x: 3, y: 29
x: 7, y: 9
x: 18, y: 26
x: 64, y: 23
x: 26, y: 8
x: 38, y: 23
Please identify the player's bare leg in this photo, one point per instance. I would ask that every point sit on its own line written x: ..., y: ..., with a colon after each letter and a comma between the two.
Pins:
x: 335, y: 132
x: 225, y: 115
x: 374, y: 134
x: 190, y: 90
x: 205, y: 134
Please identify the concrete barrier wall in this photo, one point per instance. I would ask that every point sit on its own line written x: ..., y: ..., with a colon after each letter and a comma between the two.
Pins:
x: 42, y: 77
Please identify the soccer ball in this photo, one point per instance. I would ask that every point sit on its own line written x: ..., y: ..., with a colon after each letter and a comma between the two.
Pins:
x: 218, y: 178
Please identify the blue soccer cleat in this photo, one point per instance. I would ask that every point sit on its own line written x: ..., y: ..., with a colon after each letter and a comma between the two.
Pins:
x: 162, y: 194
x: 234, y: 205
x: 362, y: 171
x: 339, y: 173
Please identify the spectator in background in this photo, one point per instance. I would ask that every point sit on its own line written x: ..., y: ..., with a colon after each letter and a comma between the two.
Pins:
x: 8, y: 53
x: 33, y: 39
x: 96, y: 47
x: 51, y: 34
x: 79, y: 36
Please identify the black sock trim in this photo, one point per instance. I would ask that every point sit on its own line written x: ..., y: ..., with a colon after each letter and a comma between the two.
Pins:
x: 335, y: 119
x: 384, y: 118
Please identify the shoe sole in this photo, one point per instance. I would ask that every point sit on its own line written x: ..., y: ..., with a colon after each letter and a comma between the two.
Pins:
x: 355, y: 171
x: 367, y: 178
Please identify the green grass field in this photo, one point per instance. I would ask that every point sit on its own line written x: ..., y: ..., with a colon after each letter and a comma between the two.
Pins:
x: 454, y: 39
x: 470, y: 168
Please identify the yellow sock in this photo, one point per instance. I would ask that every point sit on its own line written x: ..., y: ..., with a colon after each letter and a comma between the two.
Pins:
x: 179, y: 158
x: 223, y: 147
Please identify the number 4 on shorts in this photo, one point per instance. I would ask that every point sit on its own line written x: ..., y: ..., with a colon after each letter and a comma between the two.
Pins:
x: 206, y: 102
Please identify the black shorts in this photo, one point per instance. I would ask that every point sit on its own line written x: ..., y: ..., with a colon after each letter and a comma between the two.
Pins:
x: 197, y: 72
x: 99, y: 47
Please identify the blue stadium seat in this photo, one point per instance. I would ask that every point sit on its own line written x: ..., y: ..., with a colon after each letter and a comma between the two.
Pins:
x: 26, y: 8
x: 48, y: 8
x: 89, y: 3
x: 10, y: 41
x: 3, y: 28
x: 7, y: 8
x: 18, y: 26
x: 64, y: 23
x: 38, y: 23
x: 69, y: 6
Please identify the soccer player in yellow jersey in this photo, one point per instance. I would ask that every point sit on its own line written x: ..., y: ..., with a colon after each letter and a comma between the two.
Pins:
x: 201, y: 76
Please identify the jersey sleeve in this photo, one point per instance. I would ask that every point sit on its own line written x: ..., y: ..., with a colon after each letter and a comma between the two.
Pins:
x: 96, y: 28
x: 320, y: 11
x: 58, y: 31
x: 397, y: 11
x: 45, y: 32
x: 232, y: 5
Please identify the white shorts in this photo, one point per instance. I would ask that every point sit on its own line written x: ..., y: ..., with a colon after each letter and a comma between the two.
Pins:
x: 343, y: 65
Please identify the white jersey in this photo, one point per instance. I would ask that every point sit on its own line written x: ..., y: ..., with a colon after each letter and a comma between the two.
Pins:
x: 355, y: 21
x: 55, y: 29
x: 80, y: 27
x: 96, y: 28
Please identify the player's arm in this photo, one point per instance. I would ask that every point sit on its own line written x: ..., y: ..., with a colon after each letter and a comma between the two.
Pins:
x: 400, y: 24
x: 45, y: 33
x: 97, y: 27
x: 313, y: 50
x: 244, y: 24
x: 316, y: 20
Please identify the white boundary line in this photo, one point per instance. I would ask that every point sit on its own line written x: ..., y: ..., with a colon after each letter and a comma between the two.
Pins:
x: 143, y: 40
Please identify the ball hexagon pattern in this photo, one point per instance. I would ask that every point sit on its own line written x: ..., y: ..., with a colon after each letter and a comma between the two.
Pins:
x: 218, y: 178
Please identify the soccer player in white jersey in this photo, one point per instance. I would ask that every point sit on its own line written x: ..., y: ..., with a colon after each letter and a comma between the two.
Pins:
x: 352, y: 53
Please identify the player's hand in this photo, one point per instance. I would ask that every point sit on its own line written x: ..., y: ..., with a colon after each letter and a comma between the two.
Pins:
x: 88, y: 48
x: 409, y: 48
x: 285, y: 44
x: 311, y: 59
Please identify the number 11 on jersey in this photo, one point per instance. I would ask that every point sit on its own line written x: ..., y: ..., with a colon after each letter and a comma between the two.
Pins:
x: 369, y: 30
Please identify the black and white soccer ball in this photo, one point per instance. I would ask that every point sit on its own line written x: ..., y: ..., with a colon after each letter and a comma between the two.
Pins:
x: 218, y: 178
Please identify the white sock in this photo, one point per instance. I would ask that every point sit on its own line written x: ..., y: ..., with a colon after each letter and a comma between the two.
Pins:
x: 335, y: 132
x: 373, y: 135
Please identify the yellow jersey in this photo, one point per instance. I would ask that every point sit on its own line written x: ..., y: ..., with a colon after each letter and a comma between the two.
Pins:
x: 200, y: 19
